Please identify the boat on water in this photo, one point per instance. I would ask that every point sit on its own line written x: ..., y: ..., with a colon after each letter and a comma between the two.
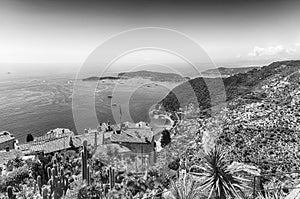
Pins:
x: 114, y: 104
x: 110, y: 96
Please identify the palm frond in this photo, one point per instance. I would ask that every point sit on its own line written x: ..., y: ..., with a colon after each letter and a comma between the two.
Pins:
x: 218, y: 178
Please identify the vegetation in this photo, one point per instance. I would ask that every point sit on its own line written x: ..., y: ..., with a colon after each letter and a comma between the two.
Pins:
x: 196, y: 91
x: 220, y: 181
x: 185, y: 188
x: 165, y: 138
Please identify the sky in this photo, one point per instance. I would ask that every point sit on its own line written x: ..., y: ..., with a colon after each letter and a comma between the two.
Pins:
x: 232, y: 32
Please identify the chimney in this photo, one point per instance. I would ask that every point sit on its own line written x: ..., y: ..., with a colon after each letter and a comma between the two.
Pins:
x: 99, y: 129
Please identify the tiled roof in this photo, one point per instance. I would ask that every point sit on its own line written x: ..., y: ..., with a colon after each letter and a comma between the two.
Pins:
x: 6, y: 136
x: 133, y: 136
x: 125, y: 138
x: 53, y: 134
x: 59, y: 143
x: 50, y: 146
x: 146, y: 133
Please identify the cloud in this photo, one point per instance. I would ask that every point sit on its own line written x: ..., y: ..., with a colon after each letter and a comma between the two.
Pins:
x: 271, y: 51
x: 238, y: 56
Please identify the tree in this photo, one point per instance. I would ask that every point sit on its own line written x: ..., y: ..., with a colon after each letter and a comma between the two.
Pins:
x: 218, y: 177
x: 165, y: 138
x: 174, y: 165
x: 29, y: 138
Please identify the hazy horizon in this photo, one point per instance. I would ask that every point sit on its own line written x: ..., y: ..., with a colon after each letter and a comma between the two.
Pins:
x: 70, y: 70
x: 231, y: 32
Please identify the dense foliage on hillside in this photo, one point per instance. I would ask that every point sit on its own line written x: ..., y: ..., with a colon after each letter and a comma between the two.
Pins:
x: 196, y: 90
x: 258, y: 127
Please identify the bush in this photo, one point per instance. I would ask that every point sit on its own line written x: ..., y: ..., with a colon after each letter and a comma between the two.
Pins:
x: 174, y: 165
x: 14, y: 179
x: 165, y: 139
x: 35, y: 167
x: 18, y: 162
x: 88, y: 192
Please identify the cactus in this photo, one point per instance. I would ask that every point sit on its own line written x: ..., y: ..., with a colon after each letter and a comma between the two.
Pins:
x: 88, y: 174
x: 58, y: 182
x: 49, y: 173
x: 45, y: 193
x: 10, y: 193
x: 34, y: 187
x: 39, y: 182
x: 84, y: 163
x: 111, y: 178
x: 95, y: 144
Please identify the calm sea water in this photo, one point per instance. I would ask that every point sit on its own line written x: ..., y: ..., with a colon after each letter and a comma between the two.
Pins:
x: 37, y: 105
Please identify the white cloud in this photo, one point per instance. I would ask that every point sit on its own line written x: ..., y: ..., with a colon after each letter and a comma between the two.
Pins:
x: 272, y: 50
x: 238, y: 56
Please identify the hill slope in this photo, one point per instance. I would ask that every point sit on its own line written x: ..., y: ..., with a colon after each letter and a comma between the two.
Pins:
x: 226, y: 72
x: 260, y: 126
x: 153, y: 76
x: 236, y: 85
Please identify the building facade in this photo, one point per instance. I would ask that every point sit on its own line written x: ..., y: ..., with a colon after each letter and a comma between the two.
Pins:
x: 7, y: 141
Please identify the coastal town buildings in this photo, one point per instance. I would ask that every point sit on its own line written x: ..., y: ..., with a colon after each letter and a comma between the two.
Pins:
x: 137, y: 138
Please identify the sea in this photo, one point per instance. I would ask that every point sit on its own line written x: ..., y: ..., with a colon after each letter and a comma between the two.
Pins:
x: 37, y: 104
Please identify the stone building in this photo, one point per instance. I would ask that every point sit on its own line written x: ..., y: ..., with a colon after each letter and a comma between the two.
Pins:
x: 7, y: 141
x: 140, y: 141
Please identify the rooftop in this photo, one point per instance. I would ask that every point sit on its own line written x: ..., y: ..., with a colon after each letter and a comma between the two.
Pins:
x: 133, y: 136
x: 53, y: 134
x: 49, y: 146
x: 6, y: 136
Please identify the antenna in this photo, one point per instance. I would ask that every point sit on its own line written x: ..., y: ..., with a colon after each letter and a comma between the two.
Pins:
x: 120, y: 114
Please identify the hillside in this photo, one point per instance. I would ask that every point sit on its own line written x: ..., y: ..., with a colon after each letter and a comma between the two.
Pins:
x: 100, y: 78
x: 226, y: 72
x: 153, y: 76
x: 236, y: 85
x: 259, y: 126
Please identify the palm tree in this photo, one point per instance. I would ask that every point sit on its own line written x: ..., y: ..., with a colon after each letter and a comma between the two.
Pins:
x: 217, y: 177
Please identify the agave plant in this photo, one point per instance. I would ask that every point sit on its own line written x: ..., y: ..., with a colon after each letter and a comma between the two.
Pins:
x: 185, y: 188
x: 217, y: 177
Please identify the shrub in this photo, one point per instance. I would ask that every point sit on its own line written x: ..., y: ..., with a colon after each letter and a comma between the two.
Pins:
x: 166, y: 138
x: 14, y: 179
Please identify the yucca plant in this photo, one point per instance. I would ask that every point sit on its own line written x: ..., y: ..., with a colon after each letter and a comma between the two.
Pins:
x: 185, y: 188
x: 218, y: 179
